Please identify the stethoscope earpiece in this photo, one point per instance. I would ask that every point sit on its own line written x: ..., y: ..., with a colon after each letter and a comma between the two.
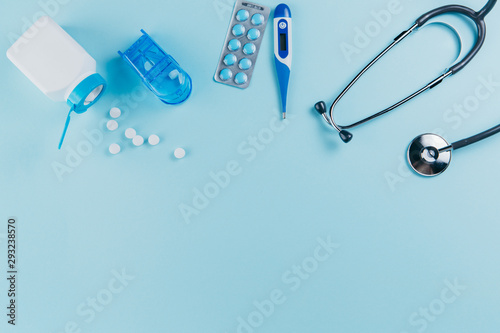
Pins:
x: 321, y: 109
x: 345, y: 136
x: 428, y: 154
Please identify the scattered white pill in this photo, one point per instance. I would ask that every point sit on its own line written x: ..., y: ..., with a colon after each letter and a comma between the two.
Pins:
x: 114, y: 148
x: 153, y: 140
x: 179, y: 153
x: 112, y: 125
x: 115, y: 112
x: 138, y: 140
x: 181, y: 79
x: 130, y: 133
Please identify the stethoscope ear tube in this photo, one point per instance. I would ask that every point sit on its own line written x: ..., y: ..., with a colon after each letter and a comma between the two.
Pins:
x: 321, y: 109
x: 428, y: 154
x: 477, y: 17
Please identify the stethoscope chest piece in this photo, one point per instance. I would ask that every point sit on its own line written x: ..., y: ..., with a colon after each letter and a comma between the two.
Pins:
x: 429, y: 155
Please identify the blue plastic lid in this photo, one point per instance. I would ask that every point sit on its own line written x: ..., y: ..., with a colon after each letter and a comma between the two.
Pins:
x: 158, y: 70
x: 282, y: 10
x: 85, y: 94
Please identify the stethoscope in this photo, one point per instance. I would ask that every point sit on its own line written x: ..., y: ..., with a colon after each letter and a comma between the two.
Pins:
x: 428, y: 154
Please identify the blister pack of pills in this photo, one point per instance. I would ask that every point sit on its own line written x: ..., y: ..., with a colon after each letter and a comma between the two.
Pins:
x: 242, y: 45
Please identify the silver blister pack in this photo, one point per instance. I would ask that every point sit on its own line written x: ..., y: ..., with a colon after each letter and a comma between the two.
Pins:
x: 242, y: 44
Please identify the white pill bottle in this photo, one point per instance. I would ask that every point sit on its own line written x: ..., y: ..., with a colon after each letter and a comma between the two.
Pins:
x: 58, y: 66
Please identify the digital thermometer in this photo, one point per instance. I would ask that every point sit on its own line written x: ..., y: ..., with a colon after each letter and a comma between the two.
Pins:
x: 283, y: 49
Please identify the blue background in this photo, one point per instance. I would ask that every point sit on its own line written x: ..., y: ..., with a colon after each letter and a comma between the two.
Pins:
x: 401, y: 236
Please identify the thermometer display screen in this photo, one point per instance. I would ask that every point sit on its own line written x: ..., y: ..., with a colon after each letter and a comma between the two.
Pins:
x: 282, y: 42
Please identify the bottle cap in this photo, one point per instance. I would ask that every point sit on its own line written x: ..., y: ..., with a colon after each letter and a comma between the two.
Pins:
x: 86, y: 94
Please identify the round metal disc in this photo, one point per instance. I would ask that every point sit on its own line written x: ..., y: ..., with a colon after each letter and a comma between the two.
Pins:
x: 424, y: 156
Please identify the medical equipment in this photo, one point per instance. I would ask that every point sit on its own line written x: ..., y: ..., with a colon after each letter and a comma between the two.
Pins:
x: 476, y: 17
x: 242, y: 44
x: 158, y: 70
x: 283, y: 49
x: 430, y: 154
x: 58, y: 66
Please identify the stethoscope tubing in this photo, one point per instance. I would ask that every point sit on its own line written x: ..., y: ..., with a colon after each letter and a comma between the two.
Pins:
x: 476, y: 138
x: 477, y: 17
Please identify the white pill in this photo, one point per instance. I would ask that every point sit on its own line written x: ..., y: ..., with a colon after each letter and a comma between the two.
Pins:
x: 138, y: 140
x: 114, y: 148
x: 115, y: 112
x: 153, y: 140
x: 130, y: 133
x: 179, y: 153
x: 173, y: 74
x: 112, y: 125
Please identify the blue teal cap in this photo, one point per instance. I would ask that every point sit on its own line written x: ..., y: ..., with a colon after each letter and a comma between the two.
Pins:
x: 282, y: 11
x: 77, y: 100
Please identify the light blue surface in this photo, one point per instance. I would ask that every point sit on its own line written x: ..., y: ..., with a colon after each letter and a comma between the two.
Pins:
x: 402, y: 242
